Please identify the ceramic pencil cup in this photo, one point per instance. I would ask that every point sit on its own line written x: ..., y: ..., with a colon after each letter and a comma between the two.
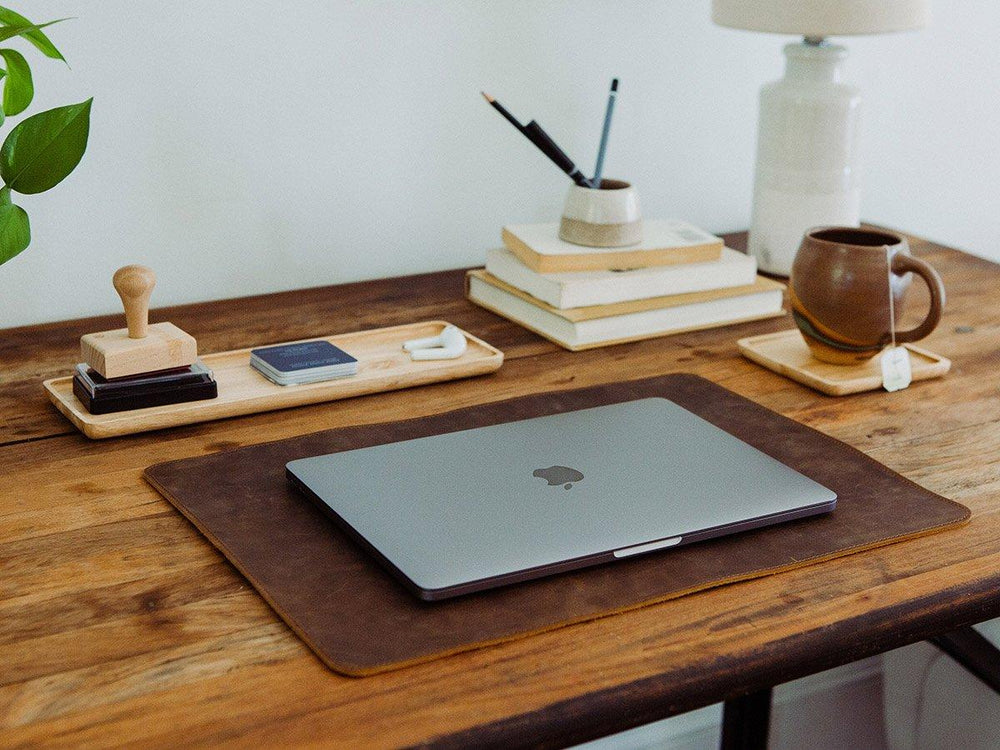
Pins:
x: 607, y: 216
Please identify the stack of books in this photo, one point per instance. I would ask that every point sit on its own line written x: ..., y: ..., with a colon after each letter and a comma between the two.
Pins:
x: 679, y: 278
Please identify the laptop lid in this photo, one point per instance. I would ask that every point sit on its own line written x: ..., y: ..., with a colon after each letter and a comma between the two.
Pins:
x: 460, y: 512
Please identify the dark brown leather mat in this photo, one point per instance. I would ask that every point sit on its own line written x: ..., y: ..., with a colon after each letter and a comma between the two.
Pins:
x: 360, y: 621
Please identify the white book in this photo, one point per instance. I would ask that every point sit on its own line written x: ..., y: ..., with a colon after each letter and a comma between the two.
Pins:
x: 584, y: 288
x: 664, y: 242
x: 587, y: 327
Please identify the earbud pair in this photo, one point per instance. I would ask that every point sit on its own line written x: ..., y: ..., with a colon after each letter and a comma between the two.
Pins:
x: 449, y: 344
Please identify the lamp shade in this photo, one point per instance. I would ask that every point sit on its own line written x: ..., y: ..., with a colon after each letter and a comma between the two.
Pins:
x: 820, y: 18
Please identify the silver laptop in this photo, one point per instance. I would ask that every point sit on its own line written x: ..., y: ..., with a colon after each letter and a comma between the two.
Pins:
x: 456, y: 513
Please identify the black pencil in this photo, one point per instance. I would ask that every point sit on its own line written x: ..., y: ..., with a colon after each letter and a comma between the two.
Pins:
x: 549, y: 147
x: 534, y: 133
x: 502, y: 110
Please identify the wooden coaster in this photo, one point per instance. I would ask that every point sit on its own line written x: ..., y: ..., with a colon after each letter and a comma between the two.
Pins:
x: 787, y: 354
x: 382, y: 366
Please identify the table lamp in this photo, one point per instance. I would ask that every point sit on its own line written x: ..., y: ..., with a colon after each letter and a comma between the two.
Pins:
x: 806, y: 173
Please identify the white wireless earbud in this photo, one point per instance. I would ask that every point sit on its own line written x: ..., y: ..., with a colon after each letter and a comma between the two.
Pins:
x: 449, y: 344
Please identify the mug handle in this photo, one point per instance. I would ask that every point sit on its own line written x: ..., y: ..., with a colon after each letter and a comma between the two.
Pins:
x: 906, y: 263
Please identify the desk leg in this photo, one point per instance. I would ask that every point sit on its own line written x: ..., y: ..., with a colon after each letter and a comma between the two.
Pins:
x: 745, y: 721
x: 974, y: 652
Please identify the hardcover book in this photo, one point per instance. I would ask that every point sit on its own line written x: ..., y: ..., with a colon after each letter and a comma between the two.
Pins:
x: 664, y: 242
x: 599, y: 325
x: 586, y: 288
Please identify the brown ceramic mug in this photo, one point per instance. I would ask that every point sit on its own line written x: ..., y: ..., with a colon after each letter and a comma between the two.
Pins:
x: 839, y: 292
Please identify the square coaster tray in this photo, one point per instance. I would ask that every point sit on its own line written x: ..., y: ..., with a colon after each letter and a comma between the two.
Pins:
x: 382, y: 366
x: 786, y: 353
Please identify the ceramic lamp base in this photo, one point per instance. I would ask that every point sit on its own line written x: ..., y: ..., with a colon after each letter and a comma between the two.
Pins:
x: 781, y: 217
x: 806, y: 173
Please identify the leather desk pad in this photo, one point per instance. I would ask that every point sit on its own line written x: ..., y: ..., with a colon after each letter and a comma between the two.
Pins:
x: 360, y: 621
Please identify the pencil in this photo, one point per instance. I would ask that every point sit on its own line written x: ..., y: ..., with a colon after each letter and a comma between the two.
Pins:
x: 534, y: 133
x: 605, y: 131
x: 502, y: 110
x: 549, y: 147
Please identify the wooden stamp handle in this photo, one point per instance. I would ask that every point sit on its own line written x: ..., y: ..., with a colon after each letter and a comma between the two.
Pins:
x: 134, y: 284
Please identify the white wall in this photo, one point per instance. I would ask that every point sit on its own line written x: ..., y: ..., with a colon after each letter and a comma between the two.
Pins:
x: 240, y: 147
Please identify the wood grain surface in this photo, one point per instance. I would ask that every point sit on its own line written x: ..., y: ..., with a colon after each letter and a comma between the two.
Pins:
x: 120, y: 625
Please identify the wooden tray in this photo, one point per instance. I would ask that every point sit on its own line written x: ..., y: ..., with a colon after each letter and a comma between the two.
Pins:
x: 382, y: 366
x: 787, y: 354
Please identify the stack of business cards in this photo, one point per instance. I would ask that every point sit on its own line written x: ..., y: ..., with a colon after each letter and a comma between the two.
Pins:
x: 304, y: 362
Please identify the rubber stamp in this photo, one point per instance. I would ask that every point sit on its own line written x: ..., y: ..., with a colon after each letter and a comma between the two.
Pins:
x: 140, y: 347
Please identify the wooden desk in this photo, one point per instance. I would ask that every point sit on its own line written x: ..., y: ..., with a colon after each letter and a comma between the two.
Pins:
x: 119, y: 622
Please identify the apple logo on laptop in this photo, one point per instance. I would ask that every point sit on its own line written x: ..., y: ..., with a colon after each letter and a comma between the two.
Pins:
x: 556, y: 475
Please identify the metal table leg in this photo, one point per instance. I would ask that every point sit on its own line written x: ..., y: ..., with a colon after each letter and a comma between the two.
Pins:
x: 974, y: 652
x: 745, y: 722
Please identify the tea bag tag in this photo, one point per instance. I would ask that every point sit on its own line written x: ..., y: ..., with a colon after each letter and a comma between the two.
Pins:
x: 896, y: 373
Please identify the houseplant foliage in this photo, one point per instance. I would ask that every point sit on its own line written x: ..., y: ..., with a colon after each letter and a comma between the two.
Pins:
x: 40, y: 151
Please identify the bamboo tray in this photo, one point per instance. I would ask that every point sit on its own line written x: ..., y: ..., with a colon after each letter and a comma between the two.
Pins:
x: 382, y: 366
x: 787, y: 354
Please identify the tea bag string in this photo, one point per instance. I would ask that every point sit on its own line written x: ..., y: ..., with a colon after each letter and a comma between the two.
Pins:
x: 892, y: 302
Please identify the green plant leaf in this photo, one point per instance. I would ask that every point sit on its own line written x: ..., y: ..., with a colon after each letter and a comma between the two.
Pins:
x: 43, y: 149
x: 15, y: 231
x: 8, y: 32
x: 36, y: 37
x: 18, y: 90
